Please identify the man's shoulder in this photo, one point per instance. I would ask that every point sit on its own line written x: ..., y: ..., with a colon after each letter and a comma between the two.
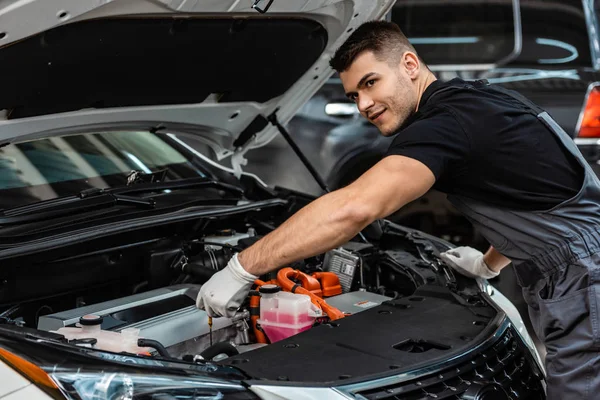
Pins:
x: 437, y: 122
x: 432, y: 115
x: 471, y: 102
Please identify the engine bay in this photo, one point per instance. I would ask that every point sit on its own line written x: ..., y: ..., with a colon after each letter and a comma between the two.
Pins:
x: 328, y: 288
x: 353, y: 288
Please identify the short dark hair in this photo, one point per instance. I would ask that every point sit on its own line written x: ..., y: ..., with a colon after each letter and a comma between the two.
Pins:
x: 384, y: 39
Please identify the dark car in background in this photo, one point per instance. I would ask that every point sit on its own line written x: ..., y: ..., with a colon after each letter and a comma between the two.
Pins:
x: 546, y: 50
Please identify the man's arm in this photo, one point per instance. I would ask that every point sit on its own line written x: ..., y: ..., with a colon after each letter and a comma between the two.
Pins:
x: 337, y: 217
x: 494, y: 260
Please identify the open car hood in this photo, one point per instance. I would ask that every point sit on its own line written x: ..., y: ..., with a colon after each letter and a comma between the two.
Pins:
x: 207, y: 68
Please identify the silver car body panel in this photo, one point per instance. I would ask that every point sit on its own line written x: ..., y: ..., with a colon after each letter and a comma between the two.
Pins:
x: 339, y: 17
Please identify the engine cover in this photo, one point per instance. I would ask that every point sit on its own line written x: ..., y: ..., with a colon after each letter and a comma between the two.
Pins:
x: 355, y: 302
x: 168, y: 315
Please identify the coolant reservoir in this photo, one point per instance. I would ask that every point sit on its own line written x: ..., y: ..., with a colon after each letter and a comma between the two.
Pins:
x: 284, y: 314
x: 125, y: 341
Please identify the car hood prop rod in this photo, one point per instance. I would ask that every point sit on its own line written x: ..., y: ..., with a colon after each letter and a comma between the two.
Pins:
x: 275, y: 122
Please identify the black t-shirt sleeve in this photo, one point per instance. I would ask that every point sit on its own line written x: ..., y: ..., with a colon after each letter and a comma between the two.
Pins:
x: 438, y: 141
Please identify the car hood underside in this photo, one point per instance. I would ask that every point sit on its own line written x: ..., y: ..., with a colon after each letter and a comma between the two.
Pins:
x: 207, y: 68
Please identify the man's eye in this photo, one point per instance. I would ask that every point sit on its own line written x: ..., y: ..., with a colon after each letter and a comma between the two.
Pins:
x: 370, y: 83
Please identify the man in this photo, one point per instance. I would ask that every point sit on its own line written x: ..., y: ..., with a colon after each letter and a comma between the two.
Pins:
x: 505, y: 164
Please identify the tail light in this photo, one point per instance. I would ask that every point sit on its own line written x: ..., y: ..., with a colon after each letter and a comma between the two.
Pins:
x: 588, y: 125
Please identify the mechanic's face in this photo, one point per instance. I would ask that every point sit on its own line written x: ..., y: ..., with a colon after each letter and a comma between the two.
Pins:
x: 386, y: 95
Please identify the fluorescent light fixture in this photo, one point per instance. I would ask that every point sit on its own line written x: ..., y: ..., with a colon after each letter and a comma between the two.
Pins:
x: 444, y: 40
x: 562, y: 45
x: 526, y: 74
x: 341, y: 109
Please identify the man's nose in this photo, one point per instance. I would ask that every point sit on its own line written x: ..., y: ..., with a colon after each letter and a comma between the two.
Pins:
x: 364, y: 103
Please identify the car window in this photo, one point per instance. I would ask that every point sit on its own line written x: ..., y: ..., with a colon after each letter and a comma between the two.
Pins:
x: 63, y: 165
x: 554, y: 33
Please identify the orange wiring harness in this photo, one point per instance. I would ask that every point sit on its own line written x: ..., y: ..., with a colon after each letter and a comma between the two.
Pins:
x: 255, y: 315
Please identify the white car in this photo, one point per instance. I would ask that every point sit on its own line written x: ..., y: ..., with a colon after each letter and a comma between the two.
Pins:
x: 123, y: 130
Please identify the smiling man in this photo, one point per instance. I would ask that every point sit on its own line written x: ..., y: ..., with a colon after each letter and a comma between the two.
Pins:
x: 504, y: 163
x: 376, y: 78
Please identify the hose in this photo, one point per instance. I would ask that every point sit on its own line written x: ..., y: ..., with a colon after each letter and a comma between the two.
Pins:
x: 201, y: 272
x: 219, y: 348
x: 259, y: 283
x: 308, y: 282
x: 204, y: 265
x: 155, y: 344
x: 214, y: 260
x: 255, y: 315
x: 283, y: 277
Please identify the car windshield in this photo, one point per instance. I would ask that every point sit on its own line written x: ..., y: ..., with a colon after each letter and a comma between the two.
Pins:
x: 554, y: 33
x: 65, y: 165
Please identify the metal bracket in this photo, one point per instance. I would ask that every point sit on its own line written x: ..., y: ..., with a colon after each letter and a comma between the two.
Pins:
x: 237, y: 161
x: 263, y: 10
x: 430, y: 254
x: 136, y: 176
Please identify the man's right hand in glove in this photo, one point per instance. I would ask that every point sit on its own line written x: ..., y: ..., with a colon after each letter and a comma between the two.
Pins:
x: 473, y: 263
x: 226, y: 290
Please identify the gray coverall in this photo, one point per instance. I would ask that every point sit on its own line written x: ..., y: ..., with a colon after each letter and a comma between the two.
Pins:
x: 556, y: 258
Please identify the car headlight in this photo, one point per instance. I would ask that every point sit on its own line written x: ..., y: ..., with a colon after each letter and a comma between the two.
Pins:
x: 125, y: 386
x: 88, y: 384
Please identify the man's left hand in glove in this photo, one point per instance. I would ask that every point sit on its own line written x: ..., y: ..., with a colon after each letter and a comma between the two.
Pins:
x: 473, y: 263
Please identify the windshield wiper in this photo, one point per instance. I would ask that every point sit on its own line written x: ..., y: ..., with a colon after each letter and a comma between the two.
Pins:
x: 174, y: 185
x: 89, y: 199
x: 95, y: 198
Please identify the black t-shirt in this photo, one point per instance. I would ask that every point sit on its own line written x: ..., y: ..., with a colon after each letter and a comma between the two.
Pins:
x: 484, y: 145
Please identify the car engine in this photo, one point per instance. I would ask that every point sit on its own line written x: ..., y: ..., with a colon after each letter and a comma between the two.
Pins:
x: 165, y: 322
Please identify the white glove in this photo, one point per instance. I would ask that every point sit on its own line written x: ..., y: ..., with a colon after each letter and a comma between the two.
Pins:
x: 469, y: 262
x: 226, y: 290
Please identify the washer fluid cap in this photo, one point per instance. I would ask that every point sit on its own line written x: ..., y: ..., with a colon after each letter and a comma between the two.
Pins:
x: 91, y: 320
x: 269, y: 289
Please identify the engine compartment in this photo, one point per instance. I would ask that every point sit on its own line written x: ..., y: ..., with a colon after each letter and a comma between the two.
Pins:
x: 109, y: 297
x: 335, y: 282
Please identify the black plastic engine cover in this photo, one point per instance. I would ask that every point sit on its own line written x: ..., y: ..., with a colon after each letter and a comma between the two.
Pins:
x: 403, y: 334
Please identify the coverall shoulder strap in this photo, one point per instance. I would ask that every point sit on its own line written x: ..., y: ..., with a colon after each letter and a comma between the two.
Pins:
x: 529, y: 105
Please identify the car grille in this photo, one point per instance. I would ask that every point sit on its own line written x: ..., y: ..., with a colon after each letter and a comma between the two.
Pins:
x: 506, y: 363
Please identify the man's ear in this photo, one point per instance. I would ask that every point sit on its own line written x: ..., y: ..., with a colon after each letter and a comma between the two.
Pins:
x: 411, y: 64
